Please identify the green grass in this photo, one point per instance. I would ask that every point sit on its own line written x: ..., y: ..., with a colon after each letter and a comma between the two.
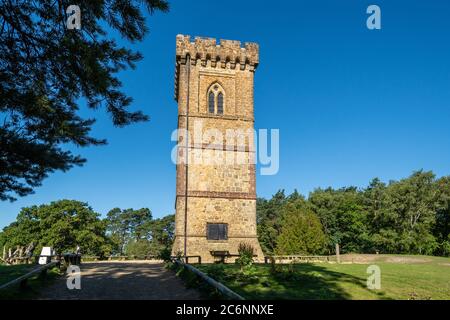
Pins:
x: 425, y: 278
x: 34, y: 284
x: 8, y: 273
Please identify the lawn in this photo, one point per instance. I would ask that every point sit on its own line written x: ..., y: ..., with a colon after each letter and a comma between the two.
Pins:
x: 406, y: 277
x: 8, y: 273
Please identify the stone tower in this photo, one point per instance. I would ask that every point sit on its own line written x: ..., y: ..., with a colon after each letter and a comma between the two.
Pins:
x: 214, y: 91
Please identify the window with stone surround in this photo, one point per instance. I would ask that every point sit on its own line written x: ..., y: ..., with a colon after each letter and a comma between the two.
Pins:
x: 216, y: 99
x: 220, y: 103
x: 211, y: 102
x: 217, y: 231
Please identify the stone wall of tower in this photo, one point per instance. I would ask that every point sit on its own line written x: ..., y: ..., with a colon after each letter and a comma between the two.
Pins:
x: 223, y: 191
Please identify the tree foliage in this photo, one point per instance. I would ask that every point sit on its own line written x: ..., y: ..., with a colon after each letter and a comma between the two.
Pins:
x: 342, y: 215
x: 410, y: 216
x: 158, y: 238
x: 268, y: 217
x: 301, y: 231
x: 135, y: 232
x: 44, y: 71
x: 246, y: 252
x: 442, y: 226
x: 162, y: 233
x: 61, y: 225
x: 406, y: 224
x: 127, y: 225
x: 66, y: 224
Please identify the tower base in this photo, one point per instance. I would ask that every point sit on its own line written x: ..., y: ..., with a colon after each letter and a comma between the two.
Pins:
x: 200, y: 246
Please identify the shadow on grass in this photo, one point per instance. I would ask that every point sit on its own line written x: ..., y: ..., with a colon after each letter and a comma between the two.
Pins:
x: 294, y: 282
x: 8, y: 273
x: 33, y: 286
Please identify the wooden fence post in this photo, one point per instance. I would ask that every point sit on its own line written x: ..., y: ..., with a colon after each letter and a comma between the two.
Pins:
x: 338, y: 256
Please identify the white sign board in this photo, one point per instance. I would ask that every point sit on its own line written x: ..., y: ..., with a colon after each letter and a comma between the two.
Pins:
x: 46, y: 251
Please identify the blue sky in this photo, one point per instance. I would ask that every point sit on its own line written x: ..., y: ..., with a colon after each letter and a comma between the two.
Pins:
x: 351, y: 104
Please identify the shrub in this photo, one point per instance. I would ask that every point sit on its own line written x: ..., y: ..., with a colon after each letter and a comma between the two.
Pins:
x: 445, y: 248
x: 165, y: 254
x: 246, y: 252
x: 179, y: 255
x: 301, y: 232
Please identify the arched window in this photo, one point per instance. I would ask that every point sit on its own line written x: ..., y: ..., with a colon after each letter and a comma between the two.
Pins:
x: 211, y: 102
x: 216, y: 99
x: 220, y: 103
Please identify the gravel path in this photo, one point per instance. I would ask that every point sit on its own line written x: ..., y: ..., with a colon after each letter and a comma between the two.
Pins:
x: 122, y: 280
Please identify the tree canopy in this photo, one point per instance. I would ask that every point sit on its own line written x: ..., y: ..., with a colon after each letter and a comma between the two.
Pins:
x: 126, y: 225
x: 410, y: 216
x: 301, y: 230
x: 61, y: 225
x: 66, y: 224
x: 46, y: 68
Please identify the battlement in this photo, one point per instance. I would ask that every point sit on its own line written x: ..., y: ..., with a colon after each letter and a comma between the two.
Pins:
x: 229, y: 53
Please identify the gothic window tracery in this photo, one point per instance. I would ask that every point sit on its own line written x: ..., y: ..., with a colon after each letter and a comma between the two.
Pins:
x: 220, y: 103
x: 211, y: 102
x: 216, y: 99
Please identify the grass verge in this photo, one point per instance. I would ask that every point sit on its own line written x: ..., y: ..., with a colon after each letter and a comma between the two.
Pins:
x: 191, y: 280
x: 34, y: 284
x: 427, y: 279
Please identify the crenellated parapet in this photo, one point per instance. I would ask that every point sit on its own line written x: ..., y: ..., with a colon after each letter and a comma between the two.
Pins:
x: 229, y: 53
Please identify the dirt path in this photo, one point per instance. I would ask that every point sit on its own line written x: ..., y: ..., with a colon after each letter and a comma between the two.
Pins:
x: 122, y: 280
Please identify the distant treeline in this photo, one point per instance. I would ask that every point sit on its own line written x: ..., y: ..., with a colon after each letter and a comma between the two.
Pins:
x: 66, y: 224
x: 410, y: 216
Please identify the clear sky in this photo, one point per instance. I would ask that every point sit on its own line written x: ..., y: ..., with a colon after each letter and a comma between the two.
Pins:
x: 351, y: 104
